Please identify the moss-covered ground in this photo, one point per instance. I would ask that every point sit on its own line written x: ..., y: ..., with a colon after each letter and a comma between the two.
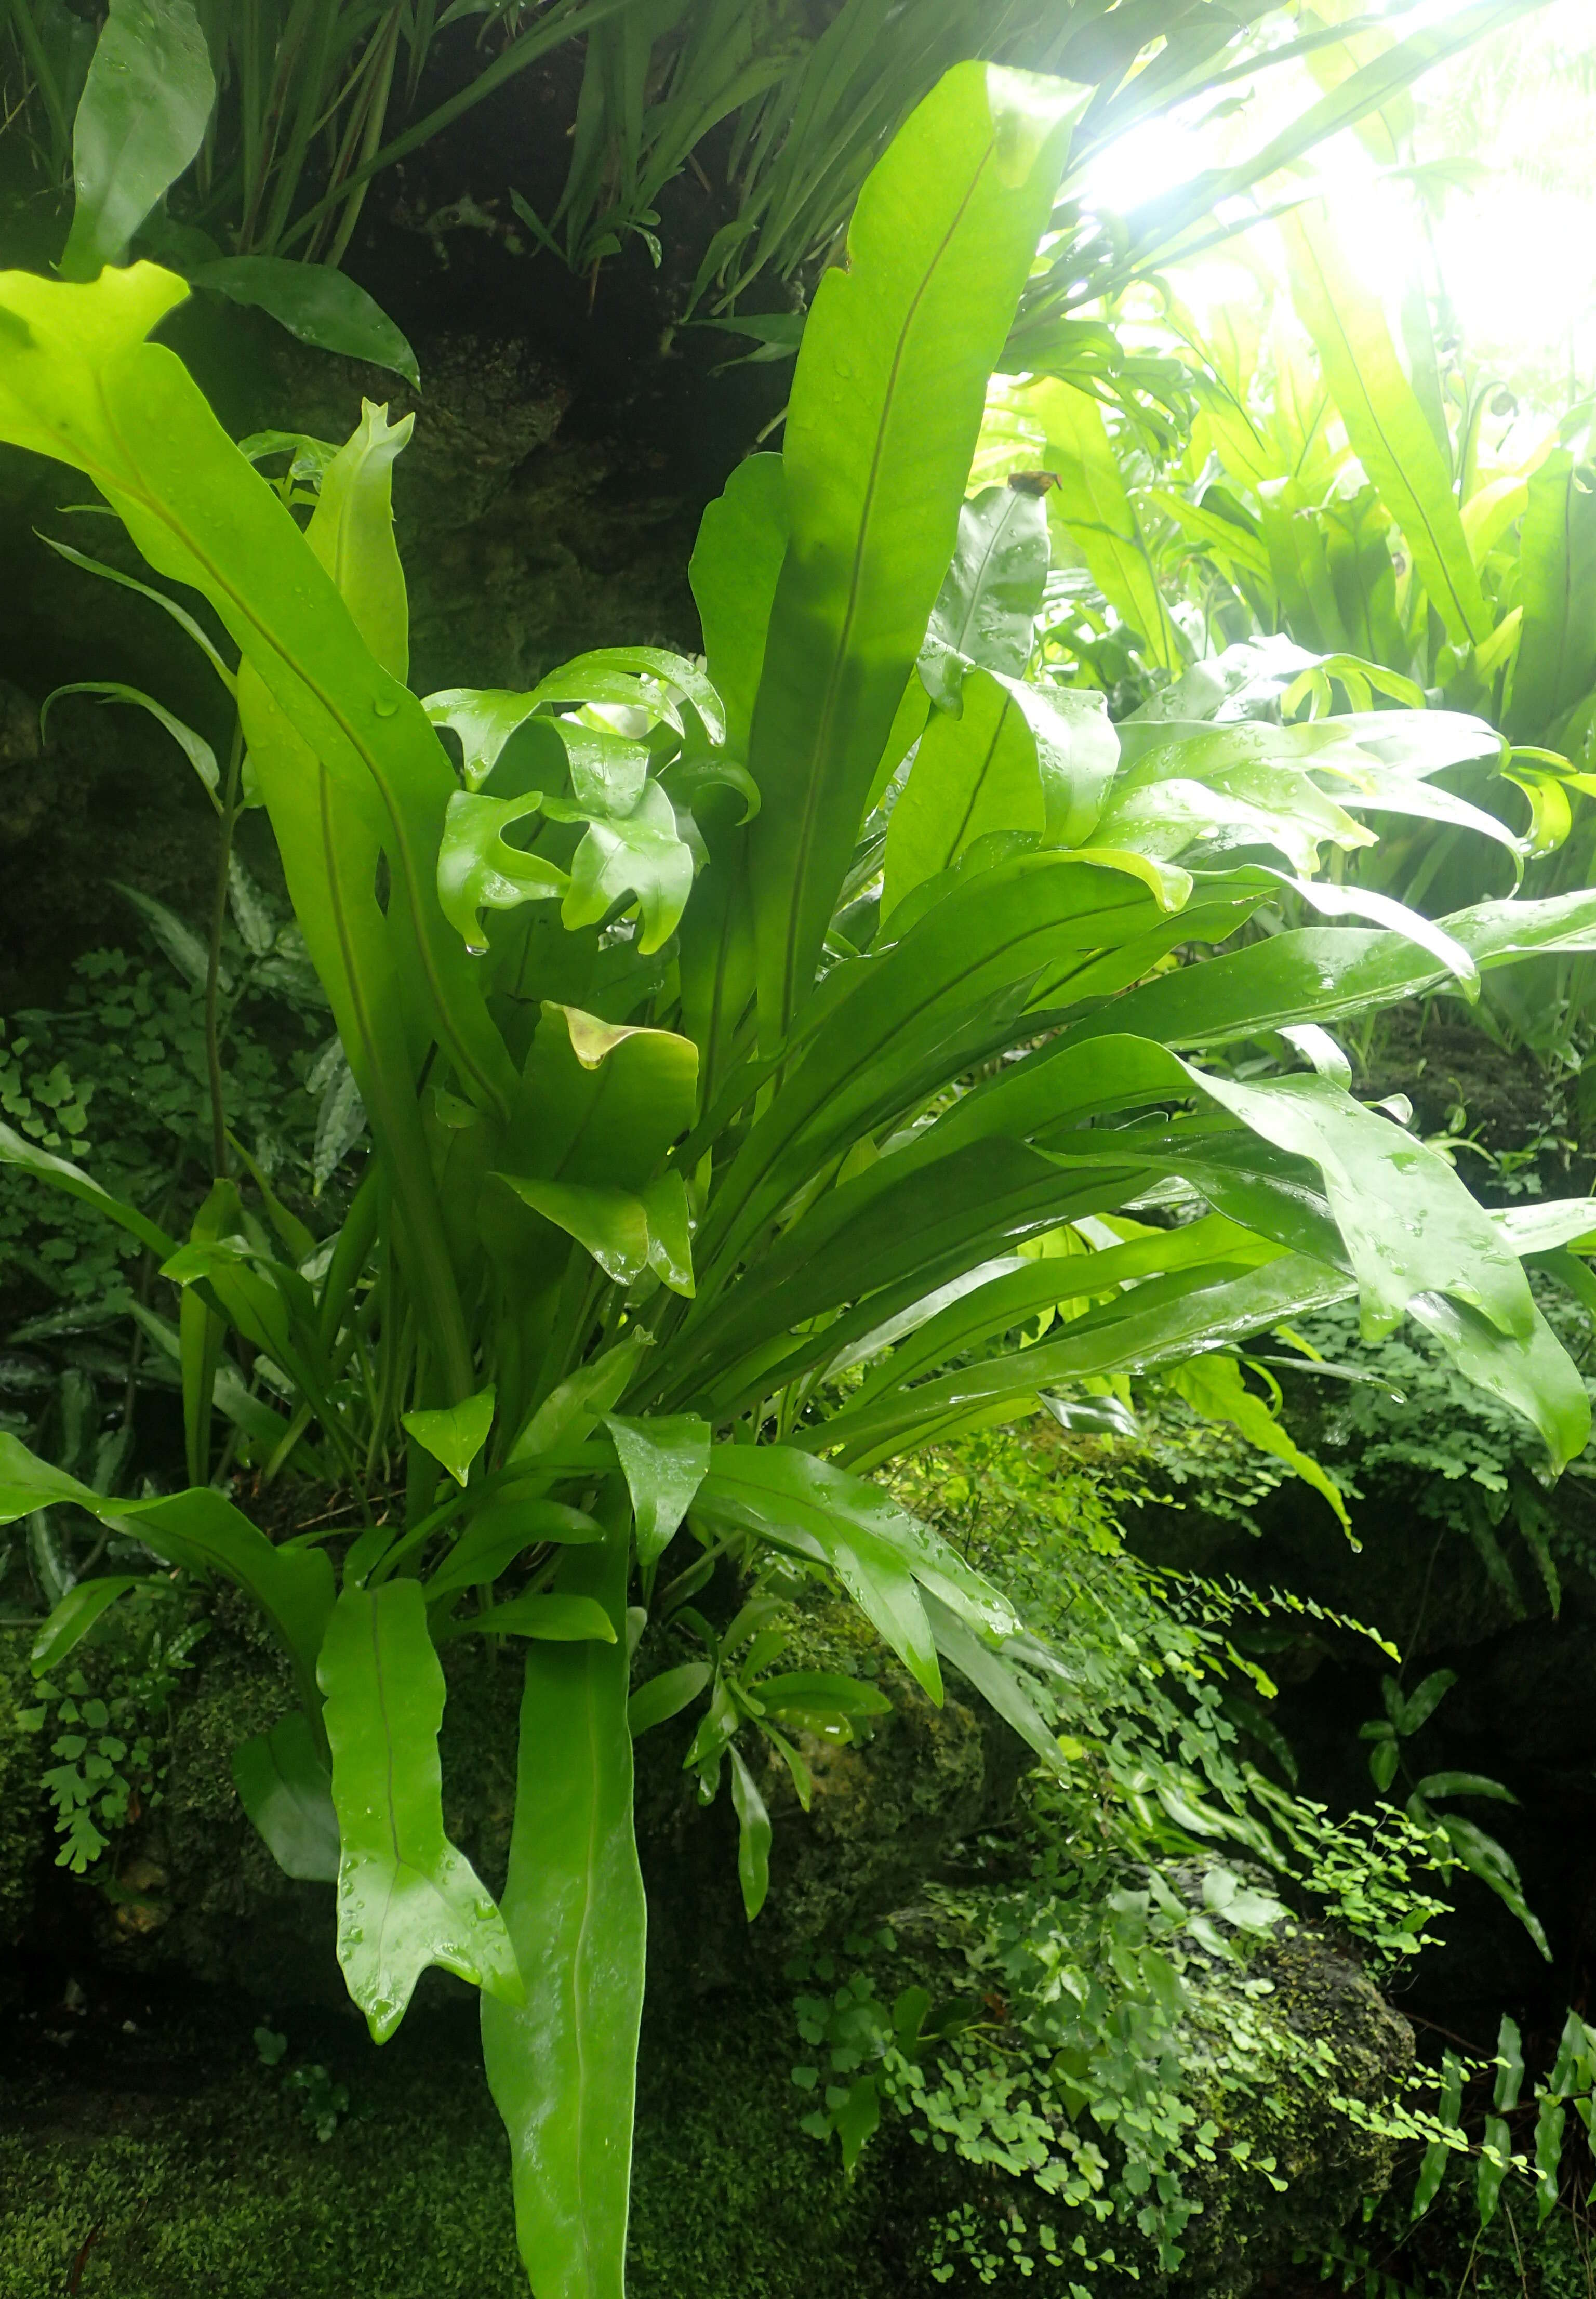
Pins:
x: 184, y: 2166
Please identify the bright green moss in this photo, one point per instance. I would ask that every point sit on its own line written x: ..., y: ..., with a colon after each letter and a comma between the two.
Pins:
x: 227, y: 2192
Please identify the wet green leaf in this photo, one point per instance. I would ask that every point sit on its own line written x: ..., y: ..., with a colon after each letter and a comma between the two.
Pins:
x: 455, y: 1434
x: 141, y: 116
x: 642, y: 854
x: 406, y: 1897
x: 562, y: 2067
x: 322, y: 307
x: 664, y: 1460
x: 991, y: 594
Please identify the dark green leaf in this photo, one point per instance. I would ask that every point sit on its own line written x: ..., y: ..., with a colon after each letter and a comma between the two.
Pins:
x: 501, y: 1529
x: 557, y: 1620
x: 753, y: 1835
x: 72, y: 1619
x: 666, y: 1695
x: 1411, y: 1712
x: 1454, y: 1784
x: 320, y: 306
x: 284, y: 1785
x: 139, y: 121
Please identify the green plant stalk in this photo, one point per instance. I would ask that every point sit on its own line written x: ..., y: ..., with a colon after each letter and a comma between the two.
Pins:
x: 230, y: 811
x: 323, y: 27
x: 564, y: 22
x: 38, y: 63
x: 364, y: 134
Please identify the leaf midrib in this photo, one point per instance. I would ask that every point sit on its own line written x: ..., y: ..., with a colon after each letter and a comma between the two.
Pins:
x: 820, y: 747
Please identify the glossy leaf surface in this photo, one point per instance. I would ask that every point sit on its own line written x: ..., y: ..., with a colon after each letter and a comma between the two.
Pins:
x: 321, y: 306
x: 406, y: 1897
x: 885, y: 407
x: 990, y: 597
x: 664, y: 1460
x: 194, y: 748
x: 138, y: 124
x: 562, y: 2067
x: 284, y: 1785
x: 71, y: 1621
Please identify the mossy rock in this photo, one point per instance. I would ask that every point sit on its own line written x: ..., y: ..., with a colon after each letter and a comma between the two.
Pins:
x: 1249, y: 2229
x: 885, y: 1815
x: 1280, y: 2164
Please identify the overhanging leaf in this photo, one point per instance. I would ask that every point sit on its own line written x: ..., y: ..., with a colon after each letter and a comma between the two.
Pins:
x: 321, y: 306
x: 562, y: 2067
x: 194, y: 748
x: 141, y: 116
x: 406, y: 1897
x: 72, y: 1620
x: 285, y: 1785
x: 1214, y: 1387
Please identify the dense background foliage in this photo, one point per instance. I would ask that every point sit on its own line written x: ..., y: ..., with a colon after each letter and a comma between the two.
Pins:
x: 1095, y: 2026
